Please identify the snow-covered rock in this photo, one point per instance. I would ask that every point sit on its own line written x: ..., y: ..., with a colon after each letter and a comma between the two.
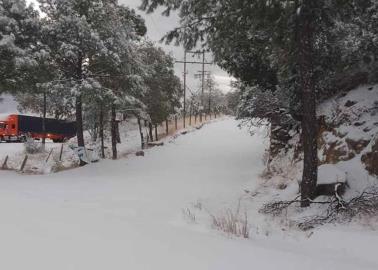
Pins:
x: 329, y: 173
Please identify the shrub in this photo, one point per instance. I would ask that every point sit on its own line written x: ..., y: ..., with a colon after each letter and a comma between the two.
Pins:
x: 32, y: 147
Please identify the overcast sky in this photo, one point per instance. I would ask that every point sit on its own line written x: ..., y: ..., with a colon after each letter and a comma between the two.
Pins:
x: 157, y: 26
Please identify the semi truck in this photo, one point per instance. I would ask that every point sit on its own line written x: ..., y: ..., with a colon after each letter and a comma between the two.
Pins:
x: 16, y: 128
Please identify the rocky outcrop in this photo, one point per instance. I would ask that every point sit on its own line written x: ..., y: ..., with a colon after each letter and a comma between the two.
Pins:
x: 370, y: 159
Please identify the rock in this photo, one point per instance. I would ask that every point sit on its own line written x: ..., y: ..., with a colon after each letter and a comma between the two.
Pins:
x: 328, y: 174
x: 158, y: 143
x: 140, y: 154
x: 350, y: 103
x: 358, y: 124
x: 336, y: 152
x: 370, y: 159
x: 357, y: 146
x: 331, y: 189
x: 199, y: 126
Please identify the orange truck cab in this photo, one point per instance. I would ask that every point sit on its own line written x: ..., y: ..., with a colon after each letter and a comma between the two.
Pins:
x: 16, y: 128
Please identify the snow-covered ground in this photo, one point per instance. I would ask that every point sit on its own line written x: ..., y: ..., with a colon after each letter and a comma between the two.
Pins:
x: 128, y: 214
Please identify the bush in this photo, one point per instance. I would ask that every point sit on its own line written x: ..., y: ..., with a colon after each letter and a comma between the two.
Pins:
x: 32, y: 147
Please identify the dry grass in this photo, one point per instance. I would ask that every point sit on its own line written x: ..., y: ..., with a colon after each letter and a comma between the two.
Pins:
x: 189, y: 215
x: 232, y: 222
x: 180, y: 125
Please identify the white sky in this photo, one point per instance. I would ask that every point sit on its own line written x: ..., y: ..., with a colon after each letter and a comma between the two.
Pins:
x: 157, y: 26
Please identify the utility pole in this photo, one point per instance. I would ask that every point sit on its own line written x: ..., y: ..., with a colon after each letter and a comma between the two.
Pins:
x: 203, y: 63
x: 184, y: 114
x: 203, y: 84
x: 210, y: 87
x: 201, y: 75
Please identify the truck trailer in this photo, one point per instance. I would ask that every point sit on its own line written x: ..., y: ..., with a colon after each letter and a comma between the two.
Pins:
x: 16, y: 128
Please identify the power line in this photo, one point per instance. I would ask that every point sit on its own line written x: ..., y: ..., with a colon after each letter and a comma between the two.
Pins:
x: 185, y: 62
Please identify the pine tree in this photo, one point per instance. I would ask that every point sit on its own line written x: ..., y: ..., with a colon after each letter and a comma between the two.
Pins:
x: 163, y: 87
x: 19, y: 50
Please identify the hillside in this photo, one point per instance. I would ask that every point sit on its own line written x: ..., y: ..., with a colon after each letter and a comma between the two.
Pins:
x: 348, y: 137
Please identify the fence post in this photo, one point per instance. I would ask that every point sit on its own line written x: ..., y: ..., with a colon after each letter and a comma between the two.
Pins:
x: 47, y: 159
x: 24, y: 163
x: 4, y: 166
x: 61, y: 152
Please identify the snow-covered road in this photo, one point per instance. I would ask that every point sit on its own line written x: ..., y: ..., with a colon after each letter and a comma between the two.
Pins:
x: 127, y: 214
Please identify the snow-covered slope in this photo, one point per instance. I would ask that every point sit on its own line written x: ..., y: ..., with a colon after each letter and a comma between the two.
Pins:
x: 348, y: 133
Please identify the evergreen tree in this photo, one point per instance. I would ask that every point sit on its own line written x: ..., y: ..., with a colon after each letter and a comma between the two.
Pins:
x: 163, y: 87
x: 19, y: 44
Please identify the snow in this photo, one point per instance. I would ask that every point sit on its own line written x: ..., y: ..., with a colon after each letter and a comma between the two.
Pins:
x: 329, y: 173
x: 127, y: 214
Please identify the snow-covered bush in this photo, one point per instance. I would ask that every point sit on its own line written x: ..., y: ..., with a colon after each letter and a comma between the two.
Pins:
x: 32, y: 147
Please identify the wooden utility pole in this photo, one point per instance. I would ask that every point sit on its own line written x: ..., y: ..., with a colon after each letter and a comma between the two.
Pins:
x: 203, y: 83
x: 185, y: 62
x: 184, y: 114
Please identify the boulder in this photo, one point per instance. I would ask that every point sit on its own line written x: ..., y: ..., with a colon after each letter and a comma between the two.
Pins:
x: 157, y: 143
x: 370, y: 159
x: 139, y: 153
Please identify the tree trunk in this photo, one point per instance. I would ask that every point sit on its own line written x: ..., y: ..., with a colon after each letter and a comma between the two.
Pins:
x: 309, y: 123
x: 79, y: 110
x: 175, y: 122
x: 114, y: 131
x: 156, y: 132
x: 166, y: 127
x: 150, y: 130
x: 118, y: 135
x: 141, y: 133
x: 101, y: 127
x: 210, y: 104
x: 190, y: 115
x: 44, y: 121
x: 79, y: 125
